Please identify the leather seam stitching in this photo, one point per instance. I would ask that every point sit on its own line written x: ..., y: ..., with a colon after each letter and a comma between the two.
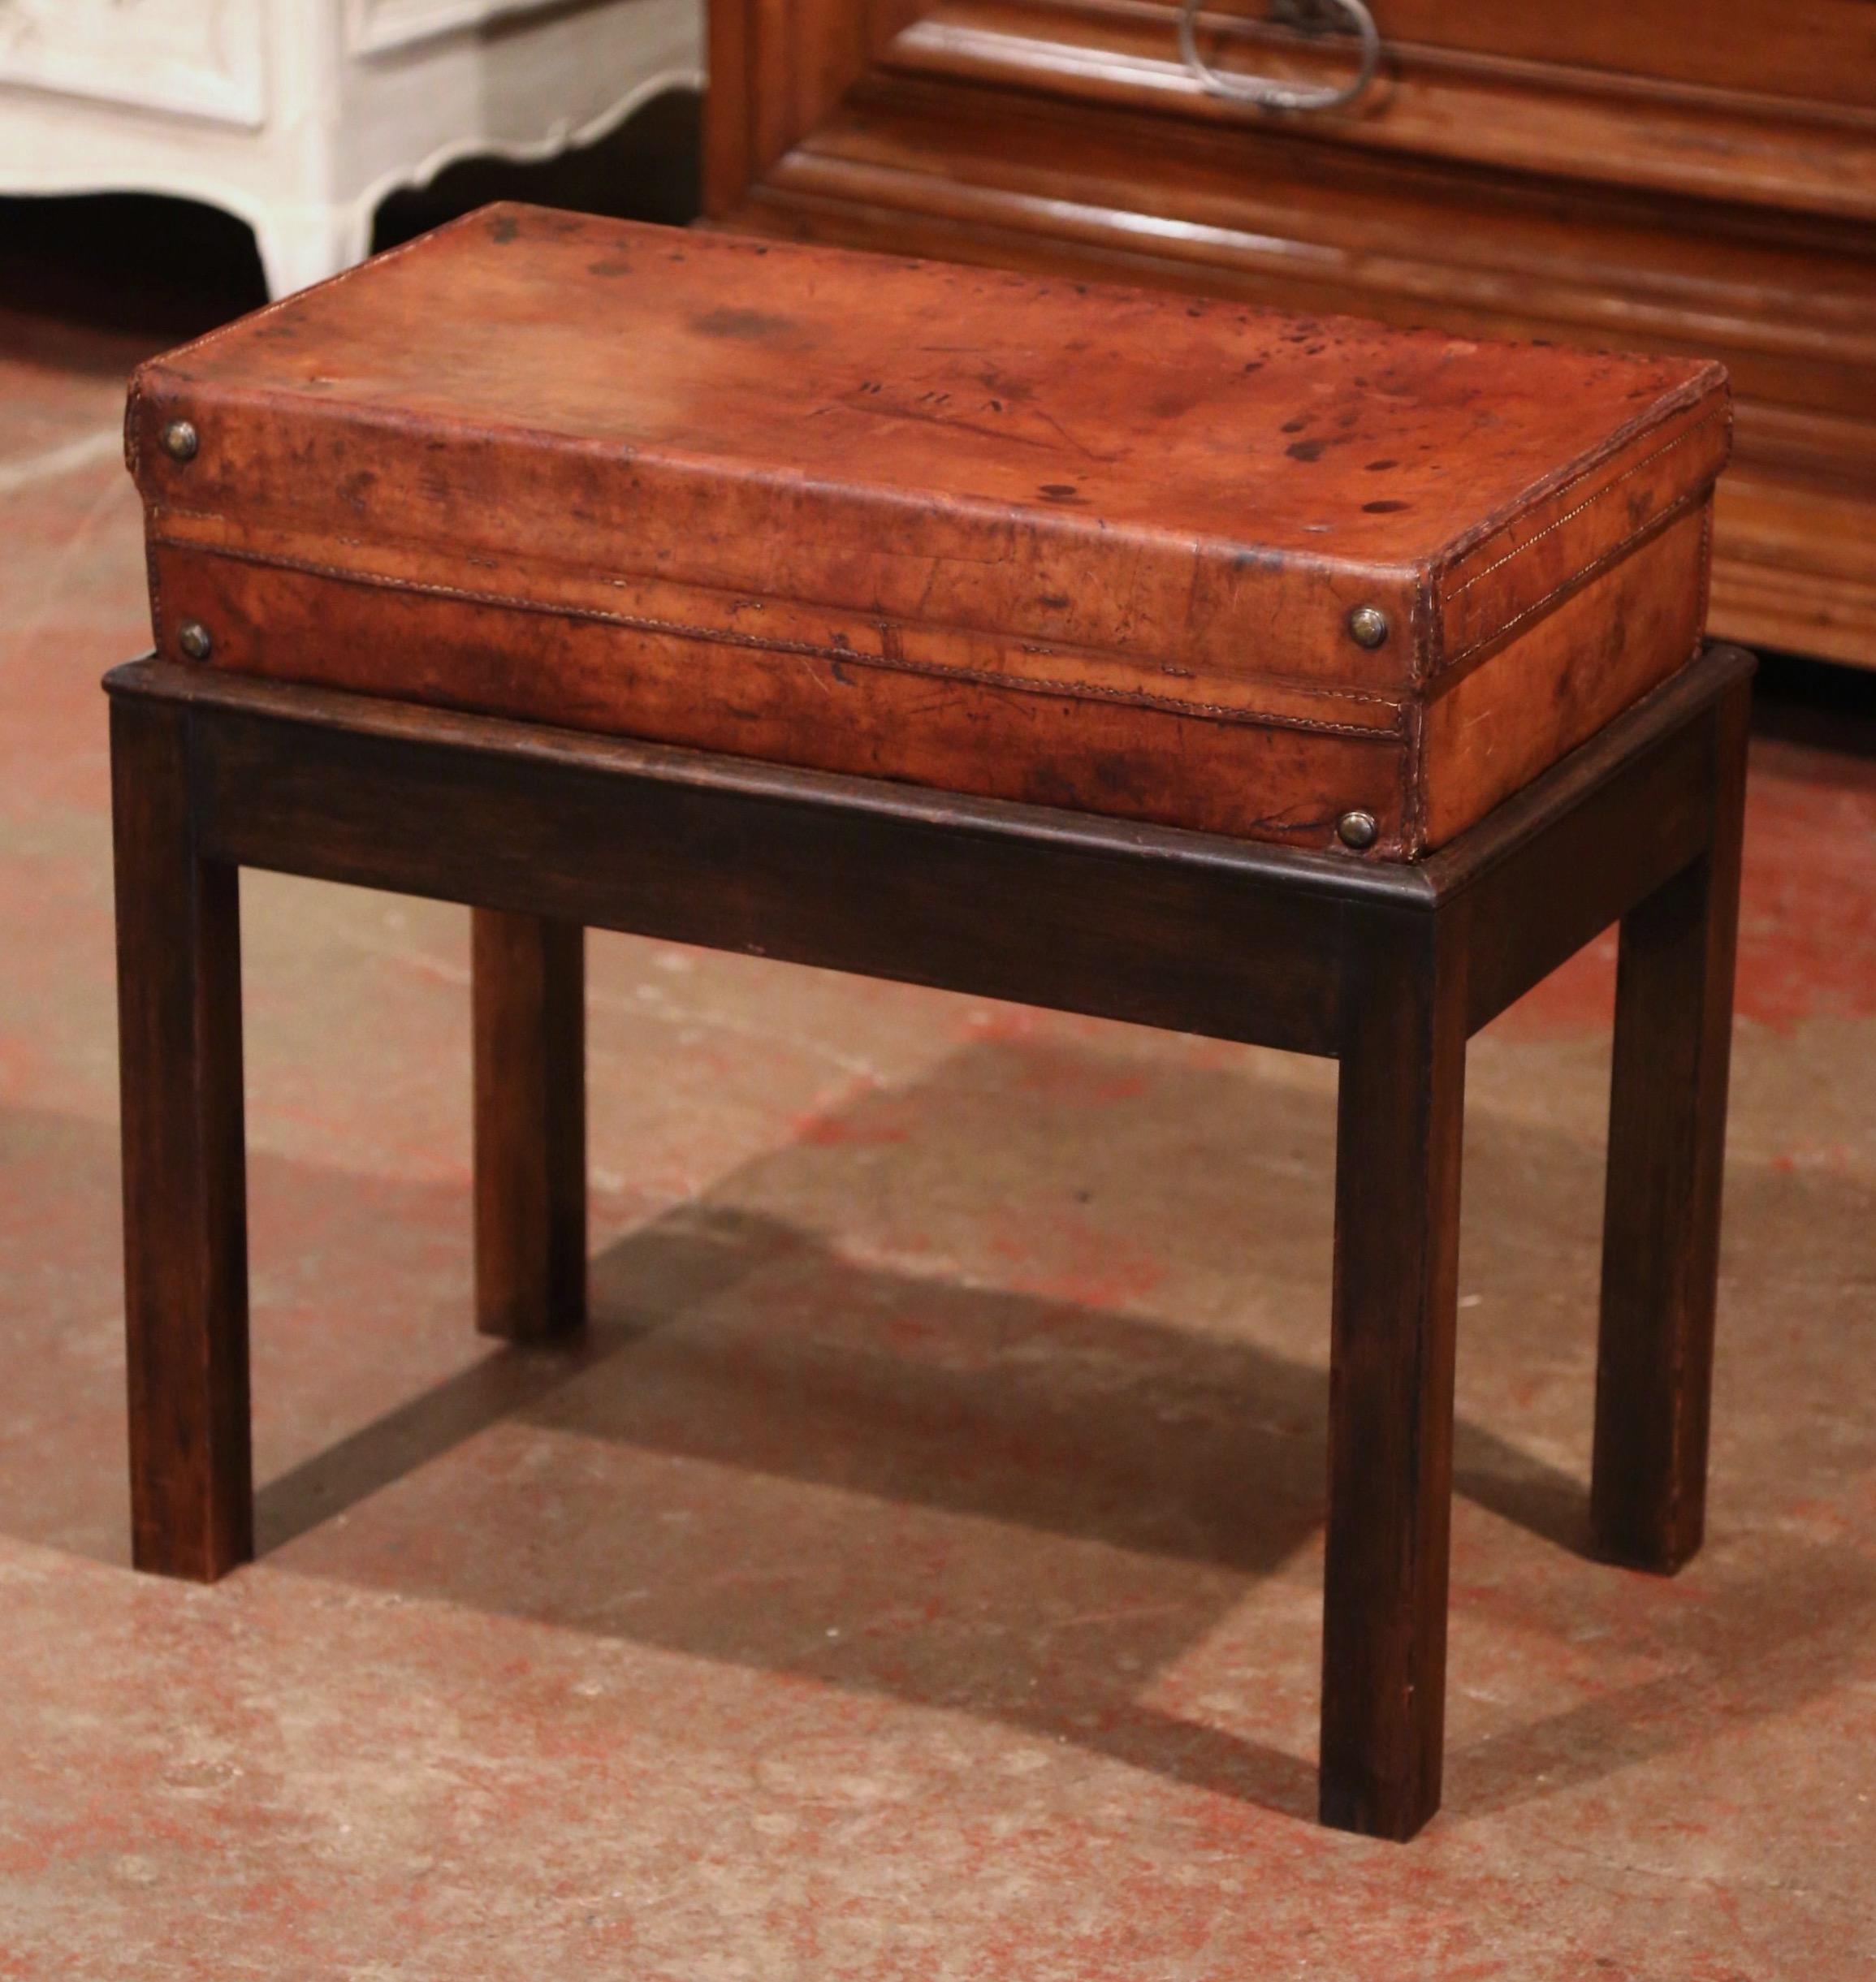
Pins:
x: 679, y: 629
x: 1705, y: 571
x: 156, y: 594
x: 1655, y: 525
x: 1590, y: 502
x: 1300, y: 685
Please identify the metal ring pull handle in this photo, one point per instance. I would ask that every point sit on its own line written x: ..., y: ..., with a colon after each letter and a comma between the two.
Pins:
x: 1265, y: 91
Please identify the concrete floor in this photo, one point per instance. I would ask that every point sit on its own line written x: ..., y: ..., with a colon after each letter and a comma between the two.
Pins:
x: 916, y: 1574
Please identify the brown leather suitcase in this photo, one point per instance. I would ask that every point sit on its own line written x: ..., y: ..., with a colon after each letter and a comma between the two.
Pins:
x: 1119, y: 550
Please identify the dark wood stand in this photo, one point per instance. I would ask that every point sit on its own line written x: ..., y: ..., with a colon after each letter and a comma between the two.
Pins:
x: 1388, y: 968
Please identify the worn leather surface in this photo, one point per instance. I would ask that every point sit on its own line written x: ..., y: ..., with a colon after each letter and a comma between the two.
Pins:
x: 1087, y: 545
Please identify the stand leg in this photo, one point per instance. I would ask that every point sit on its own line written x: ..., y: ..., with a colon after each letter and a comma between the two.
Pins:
x: 184, y: 1187
x: 1391, y: 1434
x: 1674, y: 998
x: 530, y: 1125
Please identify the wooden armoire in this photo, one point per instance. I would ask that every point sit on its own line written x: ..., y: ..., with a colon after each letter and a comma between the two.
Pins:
x: 1690, y: 176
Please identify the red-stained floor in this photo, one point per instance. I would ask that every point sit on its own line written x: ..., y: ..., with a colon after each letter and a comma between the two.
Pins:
x: 915, y: 1575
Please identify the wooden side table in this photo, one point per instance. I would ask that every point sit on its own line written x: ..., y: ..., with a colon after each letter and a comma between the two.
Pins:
x: 1388, y: 968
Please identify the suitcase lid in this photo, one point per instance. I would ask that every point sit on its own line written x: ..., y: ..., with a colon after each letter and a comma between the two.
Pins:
x: 921, y: 463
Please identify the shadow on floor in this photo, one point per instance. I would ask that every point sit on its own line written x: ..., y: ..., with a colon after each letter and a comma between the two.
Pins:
x: 1000, y: 1500
x: 1016, y: 1505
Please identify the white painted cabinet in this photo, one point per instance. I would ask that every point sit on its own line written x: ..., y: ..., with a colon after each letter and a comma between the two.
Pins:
x: 300, y: 115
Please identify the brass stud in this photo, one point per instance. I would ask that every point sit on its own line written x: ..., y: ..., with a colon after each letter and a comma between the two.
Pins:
x: 1368, y: 626
x: 180, y: 440
x: 1357, y: 830
x: 194, y: 638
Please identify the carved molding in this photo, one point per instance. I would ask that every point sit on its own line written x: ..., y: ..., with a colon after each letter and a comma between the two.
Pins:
x: 1431, y: 102
x: 376, y: 27
x: 202, y: 57
x: 105, y: 96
